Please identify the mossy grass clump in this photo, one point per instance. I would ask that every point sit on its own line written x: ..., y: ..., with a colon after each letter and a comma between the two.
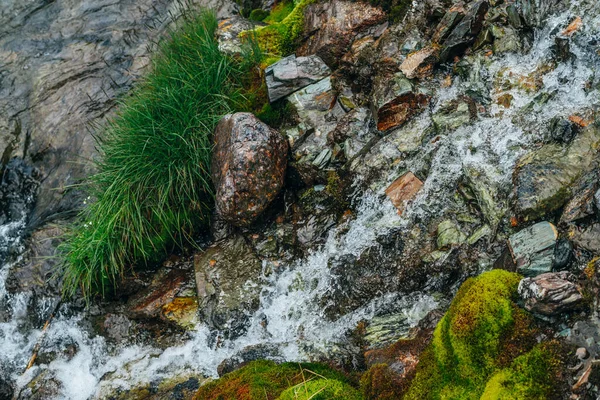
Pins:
x: 483, y: 334
x: 268, y: 380
x: 152, y: 188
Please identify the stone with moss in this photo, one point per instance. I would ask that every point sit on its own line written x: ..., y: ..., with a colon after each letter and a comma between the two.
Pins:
x: 485, y: 343
x: 268, y: 380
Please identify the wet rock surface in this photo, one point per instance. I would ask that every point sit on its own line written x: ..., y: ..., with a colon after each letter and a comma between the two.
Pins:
x: 293, y: 73
x: 551, y: 294
x: 248, y: 167
x: 228, y: 281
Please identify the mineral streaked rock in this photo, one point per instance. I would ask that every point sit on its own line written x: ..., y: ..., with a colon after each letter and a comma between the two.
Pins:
x: 248, y: 167
x: 420, y: 63
x: 228, y: 281
x: 532, y: 248
x: 394, y: 101
x: 293, y: 73
x: 550, y: 293
x: 403, y: 190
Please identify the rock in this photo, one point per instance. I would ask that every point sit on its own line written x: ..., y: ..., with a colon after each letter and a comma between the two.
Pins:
x: 64, y: 66
x: 573, y: 27
x: 563, y: 254
x: 6, y: 390
x: 403, y: 190
x: 550, y: 294
x: 394, y: 101
x: 42, y: 387
x: 420, y: 63
x: 228, y: 280
x: 465, y: 32
x: 293, y: 73
x: 532, y: 248
x: 483, y: 183
x: 331, y: 27
x: 581, y: 206
x: 506, y: 40
x: 170, y: 297
x: 228, y: 34
x: 248, y: 167
x: 544, y: 178
x: 452, y: 18
x: 264, y: 351
x: 534, y: 12
x: 353, y: 132
x: 454, y: 114
x: 479, y: 234
x: 588, y: 238
x: 178, y: 387
x: 562, y: 130
x: 449, y: 234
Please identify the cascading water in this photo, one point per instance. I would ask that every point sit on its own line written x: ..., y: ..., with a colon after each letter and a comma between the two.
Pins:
x: 297, y: 326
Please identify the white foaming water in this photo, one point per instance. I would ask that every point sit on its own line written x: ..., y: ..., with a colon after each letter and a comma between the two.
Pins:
x: 296, y: 323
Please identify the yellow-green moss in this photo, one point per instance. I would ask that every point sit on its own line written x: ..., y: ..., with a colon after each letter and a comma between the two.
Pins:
x: 264, y: 380
x: 281, y: 35
x: 478, y: 338
x: 321, y: 389
x: 280, y: 11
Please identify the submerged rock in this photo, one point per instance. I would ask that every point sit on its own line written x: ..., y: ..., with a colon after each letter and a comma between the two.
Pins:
x: 248, y: 167
x: 403, y: 190
x: 449, y: 234
x: 229, y: 281
x: 532, y: 248
x: 550, y: 293
x: 544, y: 178
x: 293, y: 73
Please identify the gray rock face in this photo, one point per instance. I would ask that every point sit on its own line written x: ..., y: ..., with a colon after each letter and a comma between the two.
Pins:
x: 589, y: 238
x: 550, y: 294
x: 229, y: 281
x: 544, y: 178
x: 64, y: 63
x: 293, y: 73
x: 532, y: 248
x: 248, y: 167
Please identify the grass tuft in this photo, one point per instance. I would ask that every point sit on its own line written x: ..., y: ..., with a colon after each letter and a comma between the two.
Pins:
x: 152, y: 189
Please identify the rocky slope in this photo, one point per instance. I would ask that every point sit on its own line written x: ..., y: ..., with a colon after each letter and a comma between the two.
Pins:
x: 421, y: 150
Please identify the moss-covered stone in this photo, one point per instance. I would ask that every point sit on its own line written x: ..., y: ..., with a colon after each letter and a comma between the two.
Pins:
x: 281, y: 35
x: 484, y: 344
x: 321, y: 389
x: 267, y: 380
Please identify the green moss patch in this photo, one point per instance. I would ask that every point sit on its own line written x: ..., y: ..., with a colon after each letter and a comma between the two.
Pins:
x: 321, y: 389
x: 484, y: 343
x: 268, y: 380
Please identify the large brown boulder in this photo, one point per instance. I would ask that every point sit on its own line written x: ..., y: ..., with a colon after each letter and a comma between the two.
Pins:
x: 248, y: 167
x: 332, y: 26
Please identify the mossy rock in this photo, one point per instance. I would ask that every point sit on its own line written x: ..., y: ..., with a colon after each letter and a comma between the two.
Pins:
x: 321, y: 389
x: 281, y: 36
x: 266, y: 380
x: 258, y: 15
x: 485, y: 344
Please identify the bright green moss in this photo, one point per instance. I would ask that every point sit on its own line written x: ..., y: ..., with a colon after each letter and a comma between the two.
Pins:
x: 265, y: 380
x: 280, y: 11
x: 258, y: 15
x: 480, y: 335
x: 321, y: 389
x: 281, y: 36
x: 528, y: 378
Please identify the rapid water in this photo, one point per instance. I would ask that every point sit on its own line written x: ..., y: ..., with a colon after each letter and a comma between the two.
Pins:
x: 296, y: 325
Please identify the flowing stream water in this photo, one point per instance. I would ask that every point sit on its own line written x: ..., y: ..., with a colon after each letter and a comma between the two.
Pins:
x: 296, y: 323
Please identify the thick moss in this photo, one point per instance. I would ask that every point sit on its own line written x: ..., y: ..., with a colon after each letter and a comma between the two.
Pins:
x: 321, y: 389
x: 280, y: 37
x: 264, y: 380
x: 483, y: 342
x: 380, y: 382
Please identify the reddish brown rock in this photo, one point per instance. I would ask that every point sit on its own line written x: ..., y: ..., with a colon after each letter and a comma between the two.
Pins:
x: 332, y: 26
x: 394, y: 101
x: 403, y: 190
x: 248, y: 167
